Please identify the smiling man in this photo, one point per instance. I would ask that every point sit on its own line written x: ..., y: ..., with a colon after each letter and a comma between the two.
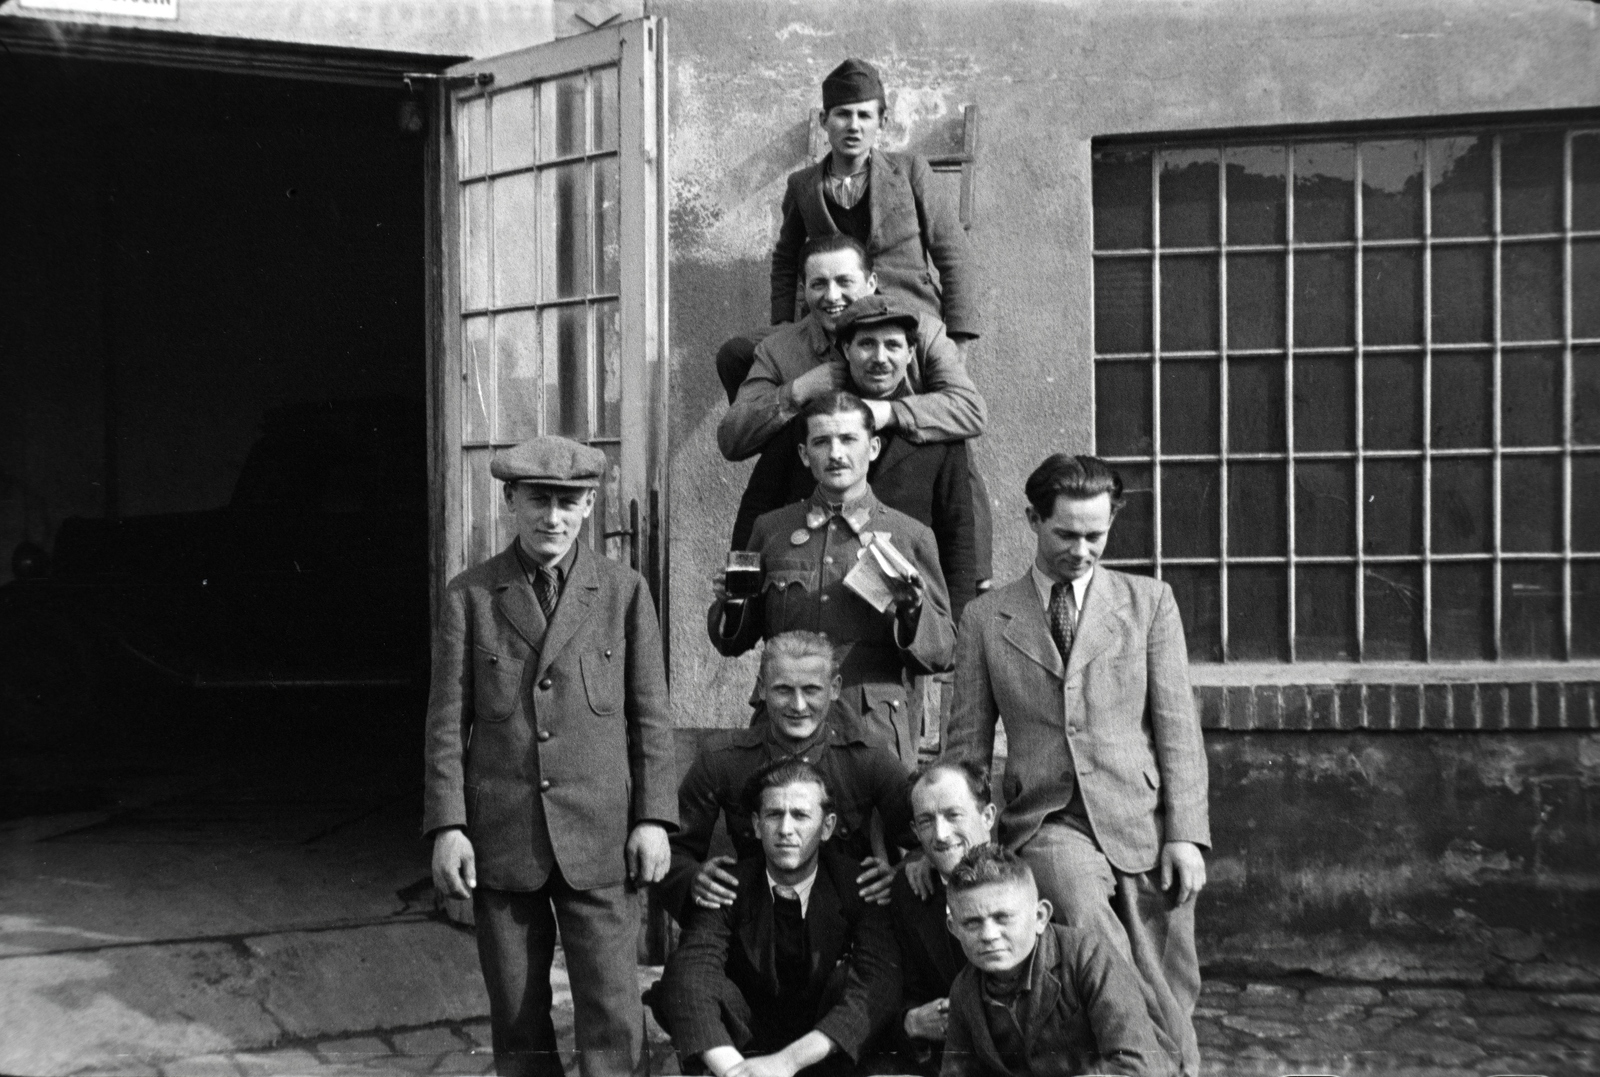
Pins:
x: 1088, y: 669
x: 549, y: 782
x: 800, y: 686
x: 1038, y: 998
x: 797, y: 974
x: 806, y: 551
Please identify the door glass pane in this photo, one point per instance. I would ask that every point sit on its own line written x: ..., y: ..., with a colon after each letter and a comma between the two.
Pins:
x: 1189, y: 303
x: 1189, y: 199
x: 1121, y: 200
x: 1391, y: 290
x: 1586, y: 396
x: 1325, y: 613
x: 1255, y: 301
x: 1255, y: 405
x: 1531, y: 291
x: 1394, y: 613
x: 565, y: 211
x: 1530, y: 610
x: 562, y: 125
x: 1585, y: 289
x: 516, y: 239
x: 519, y: 377
x: 1324, y: 299
x: 1530, y: 396
x: 1463, y: 299
x: 610, y: 514
x: 1325, y: 508
x: 1258, y: 506
x: 1122, y: 408
x: 566, y: 370
x: 1530, y: 182
x: 1530, y: 504
x: 1190, y: 510
x: 1393, y: 509
x: 1198, y: 591
x: 1392, y: 388
x: 477, y: 404
x: 1122, y: 305
x: 472, y: 145
x: 1586, y: 609
x: 1461, y: 170
x: 603, y: 84
x: 1585, y: 505
x: 475, y: 246
x: 1461, y: 506
x: 1391, y: 190
x: 511, y: 133
x: 1586, y: 182
x: 1324, y: 192
x: 1256, y: 190
x: 1324, y: 403
x: 1133, y: 537
x: 1258, y: 613
x: 1463, y: 400
x: 1462, y: 615
x: 1190, y: 406
x: 607, y: 214
x: 608, y: 349
x: 481, y: 493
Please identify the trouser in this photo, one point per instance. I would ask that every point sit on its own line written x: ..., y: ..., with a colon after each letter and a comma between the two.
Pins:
x: 754, y: 1033
x: 599, y: 936
x: 1147, y: 928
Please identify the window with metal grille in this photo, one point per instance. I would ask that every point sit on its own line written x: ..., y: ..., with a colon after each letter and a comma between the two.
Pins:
x: 1353, y: 385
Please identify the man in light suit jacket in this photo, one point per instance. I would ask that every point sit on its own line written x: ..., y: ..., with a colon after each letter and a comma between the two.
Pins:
x: 1105, y: 783
x: 551, y: 778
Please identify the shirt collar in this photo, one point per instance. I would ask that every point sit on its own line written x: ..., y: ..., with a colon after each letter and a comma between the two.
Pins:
x: 824, y: 731
x: 857, y: 513
x: 1044, y: 584
x: 1022, y: 983
x: 802, y: 888
x: 561, y: 567
x: 817, y: 337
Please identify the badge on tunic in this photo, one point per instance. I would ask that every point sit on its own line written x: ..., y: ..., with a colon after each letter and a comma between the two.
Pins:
x: 800, y: 537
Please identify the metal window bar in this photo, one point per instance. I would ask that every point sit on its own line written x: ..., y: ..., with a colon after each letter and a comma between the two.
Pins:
x: 1358, y: 207
x: 1291, y: 546
x: 1568, y: 395
x: 1224, y: 601
x: 1426, y: 493
x: 1496, y: 323
x: 1156, y: 484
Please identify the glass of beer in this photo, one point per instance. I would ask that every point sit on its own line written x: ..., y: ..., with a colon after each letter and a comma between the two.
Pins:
x: 744, y: 573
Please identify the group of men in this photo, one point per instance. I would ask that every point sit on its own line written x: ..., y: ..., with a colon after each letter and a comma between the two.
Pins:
x: 871, y: 917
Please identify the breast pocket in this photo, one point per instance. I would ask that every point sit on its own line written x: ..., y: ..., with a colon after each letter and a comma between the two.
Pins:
x: 787, y: 591
x: 602, y: 680
x: 496, y: 685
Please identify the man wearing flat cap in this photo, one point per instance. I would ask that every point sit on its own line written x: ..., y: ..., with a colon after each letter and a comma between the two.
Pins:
x: 550, y: 782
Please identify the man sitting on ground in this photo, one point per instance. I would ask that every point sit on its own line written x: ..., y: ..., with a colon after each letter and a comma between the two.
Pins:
x: 1039, y: 998
x: 798, y: 973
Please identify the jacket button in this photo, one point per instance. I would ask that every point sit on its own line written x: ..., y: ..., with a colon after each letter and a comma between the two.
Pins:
x: 608, y: 654
x: 827, y: 560
x: 493, y: 661
x: 824, y: 598
x: 544, y: 785
x: 545, y: 684
x: 544, y: 734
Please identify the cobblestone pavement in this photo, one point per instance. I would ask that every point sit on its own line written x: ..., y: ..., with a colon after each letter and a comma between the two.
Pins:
x: 1246, y: 1028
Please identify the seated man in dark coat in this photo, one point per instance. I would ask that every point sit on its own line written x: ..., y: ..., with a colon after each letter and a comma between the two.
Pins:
x: 1039, y: 998
x: 800, y: 719
x: 798, y: 974
x: 929, y: 481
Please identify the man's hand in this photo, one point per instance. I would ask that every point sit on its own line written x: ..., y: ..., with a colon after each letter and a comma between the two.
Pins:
x: 928, y: 1022
x: 714, y: 886
x: 647, y: 854
x: 1183, y: 861
x: 719, y: 585
x: 907, y: 594
x: 455, y: 870
x: 875, y: 881
x: 919, y: 876
x: 719, y: 1060
x: 820, y: 379
x: 763, y: 1066
x: 882, y: 413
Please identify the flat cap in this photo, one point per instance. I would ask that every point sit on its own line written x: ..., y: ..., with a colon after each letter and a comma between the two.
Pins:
x: 874, y: 309
x: 852, y: 81
x: 550, y: 461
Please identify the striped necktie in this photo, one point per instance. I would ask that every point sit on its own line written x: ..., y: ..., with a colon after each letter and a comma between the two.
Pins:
x: 1063, y: 617
x: 545, y: 588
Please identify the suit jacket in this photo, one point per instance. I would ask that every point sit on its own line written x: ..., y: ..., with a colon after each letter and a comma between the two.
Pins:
x: 945, y: 405
x: 929, y: 483
x: 915, y: 232
x: 930, y: 958
x: 860, y: 777
x: 548, y: 743
x: 1084, y: 1015
x: 854, y: 986
x: 1127, y: 714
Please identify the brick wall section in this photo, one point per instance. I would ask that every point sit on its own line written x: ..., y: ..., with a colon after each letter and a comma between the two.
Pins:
x: 1488, y: 705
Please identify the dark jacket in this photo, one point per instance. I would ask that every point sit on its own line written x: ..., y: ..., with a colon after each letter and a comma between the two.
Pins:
x: 1084, y: 1014
x: 860, y: 778
x: 930, y: 959
x: 929, y: 483
x: 854, y: 988
x: 915, y: 233
x: 548, y: 743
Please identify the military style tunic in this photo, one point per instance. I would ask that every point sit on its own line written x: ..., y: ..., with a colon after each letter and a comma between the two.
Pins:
x: 806, y: 550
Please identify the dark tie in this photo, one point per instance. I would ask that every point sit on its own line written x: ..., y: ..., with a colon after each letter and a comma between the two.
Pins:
x: 789, y: 940
x: 1063, y: 617
x: 544, y: 586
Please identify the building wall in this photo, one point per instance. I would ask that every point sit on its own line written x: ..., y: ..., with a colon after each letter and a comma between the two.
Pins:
x: 1429, y: 843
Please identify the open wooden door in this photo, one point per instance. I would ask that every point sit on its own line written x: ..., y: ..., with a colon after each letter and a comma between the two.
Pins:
x: 551, y: 274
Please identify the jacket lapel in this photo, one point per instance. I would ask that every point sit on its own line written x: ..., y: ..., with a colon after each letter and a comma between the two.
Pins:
x: 936, y: 937
x: 825, y: 926
x: 1026, y: 628
x: 894, y: 455
x: 882, y: 183
x: 515, y: 600
x: 577, y: 601
x: 755, y: 929
x: 1099, y: 622
x: 1046, y: 987
x: 813, y: 206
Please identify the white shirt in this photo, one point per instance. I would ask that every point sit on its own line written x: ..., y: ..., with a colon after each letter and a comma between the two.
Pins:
x: 1045, y: 585
x: 801, y: 888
